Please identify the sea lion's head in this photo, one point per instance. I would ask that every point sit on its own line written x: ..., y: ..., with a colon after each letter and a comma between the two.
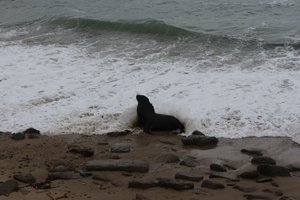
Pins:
x: 142, y: 98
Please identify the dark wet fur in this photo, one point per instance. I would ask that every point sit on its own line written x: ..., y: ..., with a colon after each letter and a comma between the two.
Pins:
x: 151, y: 121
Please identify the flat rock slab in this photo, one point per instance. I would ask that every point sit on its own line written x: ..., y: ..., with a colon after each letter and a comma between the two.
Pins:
x: 212, y: 185
x: 256, y: 197
x: 84, y: 151
x: 199, y: 140
x: 59, y: 165
x: 252, y: 151
x: 117, y: 165
x: 101, y: 177
x: 25, y: 178
x: 8, y: 187
x: 118, y: 133
x: 120, y: 149
x: 217, y: 167
x: 161, y: 182
x: 245, y: 188
x: 259, y: 160
x: 63, y: 175
x: 226, y: 175
x: 253, y: 174
x: 189, y: 162
x: 189, y: 177
x: 273, y: 170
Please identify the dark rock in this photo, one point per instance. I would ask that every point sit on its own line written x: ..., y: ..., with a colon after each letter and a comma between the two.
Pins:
x: 25, y: 178
x: 83, y: 173
x: 259, y: 160
x: 59, y: 166
x: 273, y: 170
x: 289, y: 198
x: 140, y: 197
x: 18, y: 136
x: 294, y: 167
x: 188, y: 177
x: 42, y: 185
x: 118, y: 165
x: 63, y: 175
x: 212, y: 185
x: 217, y: 167
x: 199, y: 140
x: 264, y: 180
x: 166, y: 142
x: 189, y: 162
x: 8, y: 187
x: 226, y: 175
x: 256, y: 197
x: 168, y: 183
x: 250, y: 174
x: 274, y: 192
x: 196, y: 132
x: 101, y: 177
x: 32, y: 133
x: 247, y: 189
x: 120, y: 149
x: 118, y: 133
x: 85, y: 152
x: 252, y: 151
x: 102, y: 143
x: 141, y: 185
x: 169, y: 158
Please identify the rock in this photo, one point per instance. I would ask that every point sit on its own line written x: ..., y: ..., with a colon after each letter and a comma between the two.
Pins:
x: 118, y: 165
x: 120, y: 149
x: 169, y: 158
x: 263, y: 180
x: 59, y: 166
x: 294, y: 167
x: 141, y: 185
x: 243, y: 188
x: 196, y: 132
x: 188, y: 177
x: 85, y: 152
x: 217, y: 167
x: 226, y: 175
x: 168, y: 183
x: 189, y: 162
x: 273, y: 170
x: 166, y: 142
x: 102, y: 177
x: 256, y: 197
x: 8, y: 187
x: 103, y: 143
x: 63, y: 175
x: 212, y: 185
x: 140, y: 197
x: 83, y: 173
x: 18, y: 136
x: 252, y: 151
x: 118, y: 133
x: 289, y: 198
x: 32, y: 133
x: 249, y: 174
x: 259, y: 160
x: 273, y: 191
x: 42, y: 185
x: 199, y: 140
x: 25, y: 178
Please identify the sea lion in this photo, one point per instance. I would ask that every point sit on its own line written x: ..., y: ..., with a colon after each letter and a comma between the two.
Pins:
x: 151, y: 121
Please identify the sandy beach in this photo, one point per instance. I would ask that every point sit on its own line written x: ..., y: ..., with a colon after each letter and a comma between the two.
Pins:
x: 58, y: 167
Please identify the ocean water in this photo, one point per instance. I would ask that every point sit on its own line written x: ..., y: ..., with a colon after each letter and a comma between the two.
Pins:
x: 227, y: 68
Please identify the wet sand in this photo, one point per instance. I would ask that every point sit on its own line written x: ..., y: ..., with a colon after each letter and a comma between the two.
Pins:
x: 32, y: 155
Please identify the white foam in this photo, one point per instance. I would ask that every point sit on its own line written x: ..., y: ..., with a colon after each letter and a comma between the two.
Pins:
x: 66, y: 89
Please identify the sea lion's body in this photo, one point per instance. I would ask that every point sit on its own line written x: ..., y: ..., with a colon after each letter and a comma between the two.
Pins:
x: 151, y: 121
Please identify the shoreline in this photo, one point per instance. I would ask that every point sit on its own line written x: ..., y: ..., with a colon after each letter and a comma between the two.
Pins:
x: 167, y: 159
